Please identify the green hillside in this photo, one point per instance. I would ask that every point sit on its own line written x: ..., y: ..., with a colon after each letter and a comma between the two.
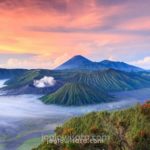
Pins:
x: 10, y: 73
x: 112, y: 80
x: 76, y: 94
x: 79, y: 87
x: 106, y: 80
x: 25, y: 79
x: 123, y: 129
x: 28, y: 77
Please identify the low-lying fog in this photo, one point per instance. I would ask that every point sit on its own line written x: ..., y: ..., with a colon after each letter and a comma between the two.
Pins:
x: 2, y: 83
x: 25, y: 114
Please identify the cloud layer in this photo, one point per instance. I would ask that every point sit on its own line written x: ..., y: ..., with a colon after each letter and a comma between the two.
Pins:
x: 56, y: 30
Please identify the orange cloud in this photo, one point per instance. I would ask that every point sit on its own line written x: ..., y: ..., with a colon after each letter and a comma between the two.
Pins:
x: 57, y: 30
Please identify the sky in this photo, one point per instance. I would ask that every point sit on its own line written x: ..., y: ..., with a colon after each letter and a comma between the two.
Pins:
x: 45, y: 33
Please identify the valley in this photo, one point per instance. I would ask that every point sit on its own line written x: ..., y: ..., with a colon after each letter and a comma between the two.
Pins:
x: 34, y: 102
x: 20, y: 113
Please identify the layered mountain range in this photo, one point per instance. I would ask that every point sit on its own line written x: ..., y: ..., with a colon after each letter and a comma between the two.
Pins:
x: 79, y: 81
x: 82, y: 63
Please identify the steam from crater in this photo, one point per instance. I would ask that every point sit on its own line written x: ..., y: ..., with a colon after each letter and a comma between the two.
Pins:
x: 44, y: 82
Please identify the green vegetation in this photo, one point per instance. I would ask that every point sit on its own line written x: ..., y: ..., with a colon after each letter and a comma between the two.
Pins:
x: 126, y: 129
x: 76, y: 94
x: 79, y: 87
x: 29, y: 144
x: 28, y: 77
x: 108, y: 80
x: 112, y: 80
x: 2, y: 147
x: 25, y: 79
x: 84, y: 87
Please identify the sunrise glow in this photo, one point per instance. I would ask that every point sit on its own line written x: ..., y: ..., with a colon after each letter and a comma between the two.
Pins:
x: 45, y: 33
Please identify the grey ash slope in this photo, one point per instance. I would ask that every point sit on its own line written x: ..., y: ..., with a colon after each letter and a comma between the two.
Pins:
x: 81, y: 63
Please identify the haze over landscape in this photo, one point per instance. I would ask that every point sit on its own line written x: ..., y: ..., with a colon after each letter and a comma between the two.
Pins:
x: 75, y: 67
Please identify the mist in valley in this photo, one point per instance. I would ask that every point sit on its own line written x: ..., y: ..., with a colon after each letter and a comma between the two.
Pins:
x: 26, y: 115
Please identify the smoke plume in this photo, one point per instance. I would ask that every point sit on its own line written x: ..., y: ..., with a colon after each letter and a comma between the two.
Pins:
x: 44, y: 82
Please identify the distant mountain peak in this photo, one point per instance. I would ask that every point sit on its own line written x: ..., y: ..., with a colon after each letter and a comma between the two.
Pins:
x: 79, y: 57
x: 82, y: 63
x: 75, y: 63
x: 118, y: 65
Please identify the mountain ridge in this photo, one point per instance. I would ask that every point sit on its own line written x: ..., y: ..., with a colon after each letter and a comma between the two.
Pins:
x: 76, y: 94
x: 82, y: 63
x: 9, y: 73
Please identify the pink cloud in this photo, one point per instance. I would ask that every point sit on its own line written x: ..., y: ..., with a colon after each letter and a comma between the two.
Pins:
x: 57, y: 30
x: 136, y: 24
